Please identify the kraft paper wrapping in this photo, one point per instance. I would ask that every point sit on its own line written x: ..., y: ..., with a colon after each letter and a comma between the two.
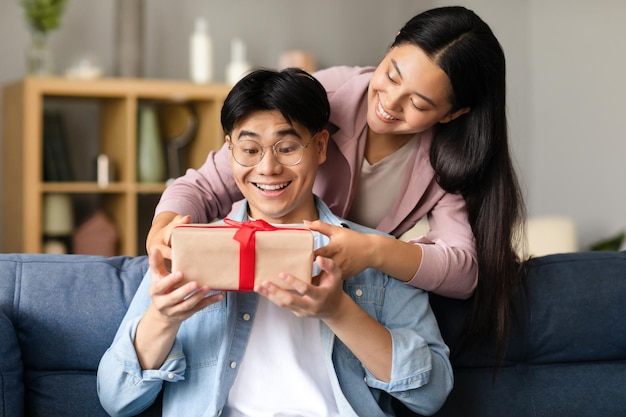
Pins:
x: 210, y: 255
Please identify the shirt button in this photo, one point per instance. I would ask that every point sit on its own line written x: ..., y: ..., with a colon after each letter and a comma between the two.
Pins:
x: 359, y: 292
x: 219, y: 413
x: 246, y: 317
x: 170, y: 375
x: 233, y: 365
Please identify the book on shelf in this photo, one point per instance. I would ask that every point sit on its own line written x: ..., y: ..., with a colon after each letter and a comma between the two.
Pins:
x: 56, y: 159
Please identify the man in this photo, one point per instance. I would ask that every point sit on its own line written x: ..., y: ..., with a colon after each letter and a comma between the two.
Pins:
x: 330, y: 348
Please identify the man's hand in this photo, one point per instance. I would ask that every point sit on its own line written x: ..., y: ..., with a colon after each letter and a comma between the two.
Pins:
x: 172, y: 303
x: 175, y: 302
x: 319, y: 300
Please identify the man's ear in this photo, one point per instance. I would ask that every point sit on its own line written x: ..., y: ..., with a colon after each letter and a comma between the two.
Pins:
x: 322, y: 138
x: 451, y: 116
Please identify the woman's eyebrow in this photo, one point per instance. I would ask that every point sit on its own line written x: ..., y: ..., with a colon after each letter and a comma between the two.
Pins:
x: 422, y: 96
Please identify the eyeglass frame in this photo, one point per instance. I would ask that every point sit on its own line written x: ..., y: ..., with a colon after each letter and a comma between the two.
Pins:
x: 273, y: 146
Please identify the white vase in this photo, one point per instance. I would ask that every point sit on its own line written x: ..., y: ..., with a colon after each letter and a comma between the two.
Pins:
x: 58, y: 215
x: 58, y: 222
x: 150, y: 149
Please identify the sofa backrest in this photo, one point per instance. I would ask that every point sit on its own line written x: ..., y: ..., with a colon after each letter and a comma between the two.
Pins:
x: 58, y: 314
x: 566, y: 356
x: 567, y: 351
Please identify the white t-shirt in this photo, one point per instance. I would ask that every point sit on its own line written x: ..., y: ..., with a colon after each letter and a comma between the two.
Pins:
x: 282, y: 372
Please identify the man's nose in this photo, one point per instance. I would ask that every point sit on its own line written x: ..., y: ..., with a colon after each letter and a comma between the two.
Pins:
x: 269, y: 164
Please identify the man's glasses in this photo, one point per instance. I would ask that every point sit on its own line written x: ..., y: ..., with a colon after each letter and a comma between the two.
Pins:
x: 249, y: 153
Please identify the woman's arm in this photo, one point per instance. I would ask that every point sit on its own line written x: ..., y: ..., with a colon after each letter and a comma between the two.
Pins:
x: 204, y: 194
x: 443, y: 261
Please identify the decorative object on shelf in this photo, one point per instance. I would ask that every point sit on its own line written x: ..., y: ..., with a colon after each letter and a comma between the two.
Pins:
x: 129, y: 38
x: 238, y: 65
x: 107, y: 101
x: 105, y: 172
x: 298, y: 59
x: 58, y: 222
x: 96, y: 236
x: 150, y: 154
x: 40, y: 60
x: 201, y: 52
x: 179, y: 126
x: 56, y: 159
x: 43, y: 16
x: 86, y: 67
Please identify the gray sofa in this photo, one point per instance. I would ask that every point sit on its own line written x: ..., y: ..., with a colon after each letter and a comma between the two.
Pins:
x: 567, y: 356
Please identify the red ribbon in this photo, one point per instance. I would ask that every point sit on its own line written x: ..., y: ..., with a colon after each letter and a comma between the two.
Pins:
x: 247, y: 248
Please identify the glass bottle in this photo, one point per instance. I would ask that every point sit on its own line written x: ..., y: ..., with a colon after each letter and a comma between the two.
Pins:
x: 39, y: 55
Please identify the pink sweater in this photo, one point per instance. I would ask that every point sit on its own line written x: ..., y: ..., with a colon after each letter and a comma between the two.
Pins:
x: 448, y: 264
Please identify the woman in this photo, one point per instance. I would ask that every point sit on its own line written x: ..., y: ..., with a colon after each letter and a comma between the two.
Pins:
x: 422, y: 134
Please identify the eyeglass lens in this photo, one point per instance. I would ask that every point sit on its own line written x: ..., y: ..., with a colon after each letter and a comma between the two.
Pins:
x: 286, y: 152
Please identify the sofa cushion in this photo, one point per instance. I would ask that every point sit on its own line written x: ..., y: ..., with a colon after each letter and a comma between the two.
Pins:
x: 63, y: 311
x: 567, y: 349
x: 12, y: 394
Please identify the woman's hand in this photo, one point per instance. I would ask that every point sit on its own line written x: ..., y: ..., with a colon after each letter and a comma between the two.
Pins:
x: 352, y: 251
x: 160, y: 234
x: 321, y: 300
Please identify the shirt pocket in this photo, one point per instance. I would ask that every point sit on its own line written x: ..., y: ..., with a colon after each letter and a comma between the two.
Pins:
x: 202, y: 335
x: 370, y: 298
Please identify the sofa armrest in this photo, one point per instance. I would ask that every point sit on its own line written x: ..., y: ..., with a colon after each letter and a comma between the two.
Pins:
x: 59, y: 314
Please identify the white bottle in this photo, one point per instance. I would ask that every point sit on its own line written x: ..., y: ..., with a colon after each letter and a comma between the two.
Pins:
x: 238, y: 66
x: 201, y: 53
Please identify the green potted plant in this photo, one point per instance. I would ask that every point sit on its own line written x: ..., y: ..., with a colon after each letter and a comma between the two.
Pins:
x: 42, y: 16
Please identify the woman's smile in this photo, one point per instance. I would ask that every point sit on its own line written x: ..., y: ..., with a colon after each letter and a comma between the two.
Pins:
x: 380, y: 111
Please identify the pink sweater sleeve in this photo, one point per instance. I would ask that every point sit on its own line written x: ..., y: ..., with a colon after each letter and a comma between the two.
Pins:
x: 449, y: 265
x: 206, y: 193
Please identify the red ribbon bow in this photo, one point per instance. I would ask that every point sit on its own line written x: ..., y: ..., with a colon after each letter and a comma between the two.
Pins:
x: 247, y: 248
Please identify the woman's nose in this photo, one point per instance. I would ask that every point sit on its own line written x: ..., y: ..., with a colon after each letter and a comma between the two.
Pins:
x: 392, y: 100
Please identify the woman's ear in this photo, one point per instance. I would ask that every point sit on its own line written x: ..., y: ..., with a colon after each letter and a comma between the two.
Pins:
x: 453, y: 115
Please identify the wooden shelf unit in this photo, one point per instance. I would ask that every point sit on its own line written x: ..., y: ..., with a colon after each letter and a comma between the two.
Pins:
x: 117, y: 102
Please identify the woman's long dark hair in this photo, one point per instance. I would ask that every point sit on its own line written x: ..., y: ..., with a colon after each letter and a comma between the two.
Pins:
x: 470, y: 155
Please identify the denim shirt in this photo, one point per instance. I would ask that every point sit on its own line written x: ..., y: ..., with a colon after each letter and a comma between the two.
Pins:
x: 201, y: 367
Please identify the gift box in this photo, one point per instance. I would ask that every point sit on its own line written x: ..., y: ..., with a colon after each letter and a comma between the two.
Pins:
x: 235, y: 256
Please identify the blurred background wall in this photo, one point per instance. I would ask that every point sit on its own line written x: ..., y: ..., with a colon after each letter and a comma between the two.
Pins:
x: 566, y: 66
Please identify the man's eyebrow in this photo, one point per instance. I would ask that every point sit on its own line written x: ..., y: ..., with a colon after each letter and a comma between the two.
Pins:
x: 247, y: 133
x: 422, y: 96
x: 290, y: 131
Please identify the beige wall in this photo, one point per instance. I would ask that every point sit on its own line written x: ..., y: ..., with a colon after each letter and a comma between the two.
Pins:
x: 565, y: 73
